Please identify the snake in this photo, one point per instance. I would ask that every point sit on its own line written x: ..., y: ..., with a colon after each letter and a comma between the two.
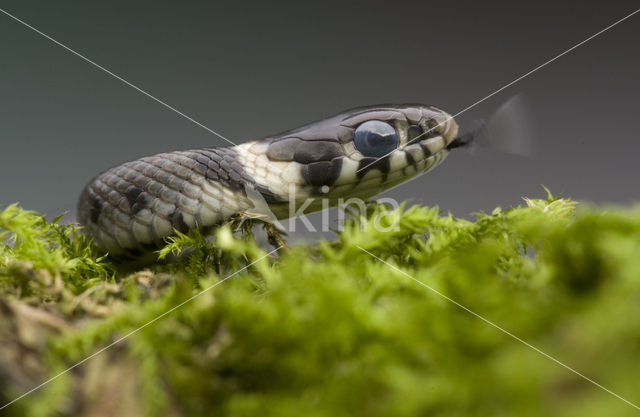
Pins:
x: 357, y: 153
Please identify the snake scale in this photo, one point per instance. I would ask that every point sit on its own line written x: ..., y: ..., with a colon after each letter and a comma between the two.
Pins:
x: 357, y: 153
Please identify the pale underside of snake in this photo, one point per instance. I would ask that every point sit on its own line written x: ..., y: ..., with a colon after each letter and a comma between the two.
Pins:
x: 133, y: 207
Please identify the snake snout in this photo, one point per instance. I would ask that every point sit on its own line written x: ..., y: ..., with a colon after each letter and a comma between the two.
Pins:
x: 450, y: 130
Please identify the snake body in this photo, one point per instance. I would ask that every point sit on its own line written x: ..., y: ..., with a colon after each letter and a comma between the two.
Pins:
x: 136, y: 205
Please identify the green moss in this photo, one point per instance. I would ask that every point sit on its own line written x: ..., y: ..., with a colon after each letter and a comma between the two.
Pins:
x: 326, y: 329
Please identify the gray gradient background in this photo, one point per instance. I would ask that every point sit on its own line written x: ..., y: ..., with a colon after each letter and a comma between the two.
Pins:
x: 249, y: 69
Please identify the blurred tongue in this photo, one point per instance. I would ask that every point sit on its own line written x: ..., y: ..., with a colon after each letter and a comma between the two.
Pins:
x: 508, y: 130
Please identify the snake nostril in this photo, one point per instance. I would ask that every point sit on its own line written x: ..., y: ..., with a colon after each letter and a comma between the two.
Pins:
x: 413, y: 132
x: 434, y: 128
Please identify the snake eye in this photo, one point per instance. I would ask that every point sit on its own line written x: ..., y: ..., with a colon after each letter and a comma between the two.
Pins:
x: 375, y: 138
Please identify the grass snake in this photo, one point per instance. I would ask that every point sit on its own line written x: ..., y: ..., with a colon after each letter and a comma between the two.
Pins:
x: 357, y: 153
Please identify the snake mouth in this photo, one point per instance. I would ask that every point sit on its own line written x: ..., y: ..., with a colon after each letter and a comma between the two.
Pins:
x: 390, y: 172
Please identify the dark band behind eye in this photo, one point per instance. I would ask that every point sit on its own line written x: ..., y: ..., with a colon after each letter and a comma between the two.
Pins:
x: 375, y: 138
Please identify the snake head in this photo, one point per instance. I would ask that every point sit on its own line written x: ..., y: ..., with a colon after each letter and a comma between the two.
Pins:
x: 356, y: 153
x: 389, y: 144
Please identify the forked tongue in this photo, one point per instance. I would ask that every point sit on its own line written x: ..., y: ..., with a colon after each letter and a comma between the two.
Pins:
x: 508, y: 130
